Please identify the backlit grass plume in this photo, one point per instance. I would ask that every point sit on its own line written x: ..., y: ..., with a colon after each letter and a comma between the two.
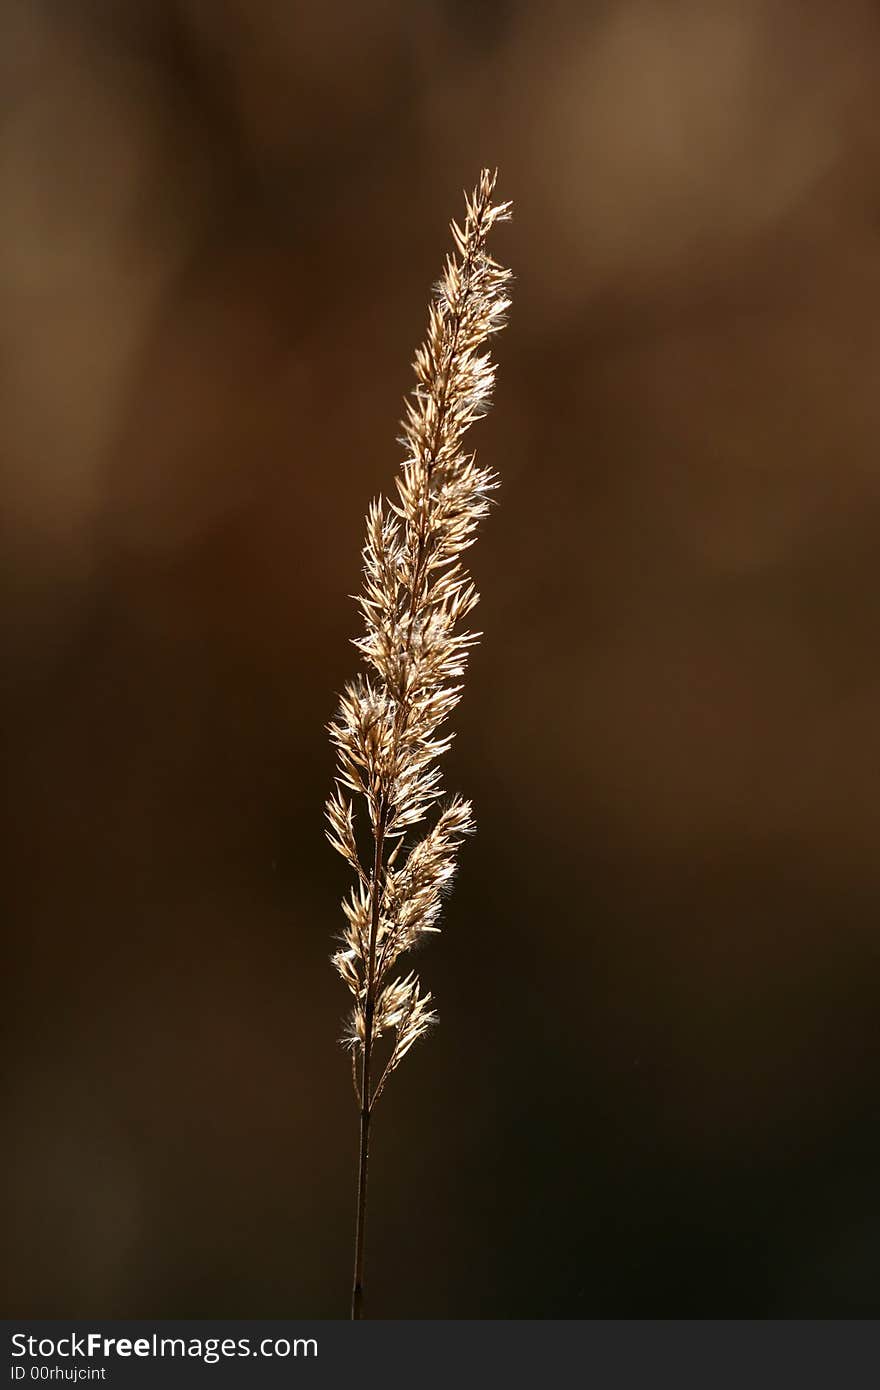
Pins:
x: 389, y: 731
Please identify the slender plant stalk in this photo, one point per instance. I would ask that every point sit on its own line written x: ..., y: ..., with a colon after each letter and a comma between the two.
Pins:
x: 387, y: 731
x: 357, y: 1285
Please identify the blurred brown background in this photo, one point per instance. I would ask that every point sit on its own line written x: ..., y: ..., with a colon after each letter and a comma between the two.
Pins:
x: 654, y: 1088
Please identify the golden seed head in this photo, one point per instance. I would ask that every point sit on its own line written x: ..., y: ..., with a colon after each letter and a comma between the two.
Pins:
x: 416, y: 592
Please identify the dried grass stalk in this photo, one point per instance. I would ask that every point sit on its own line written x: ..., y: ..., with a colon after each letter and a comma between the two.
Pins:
x: 387, y: 732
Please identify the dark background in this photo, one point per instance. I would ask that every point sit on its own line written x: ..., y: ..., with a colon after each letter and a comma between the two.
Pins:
x: 654, y: 1087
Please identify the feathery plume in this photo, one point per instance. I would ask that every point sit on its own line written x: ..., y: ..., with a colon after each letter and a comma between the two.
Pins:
x: 388, y: 732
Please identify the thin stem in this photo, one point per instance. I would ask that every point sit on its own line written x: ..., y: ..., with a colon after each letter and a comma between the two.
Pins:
x: 357, y: 1290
